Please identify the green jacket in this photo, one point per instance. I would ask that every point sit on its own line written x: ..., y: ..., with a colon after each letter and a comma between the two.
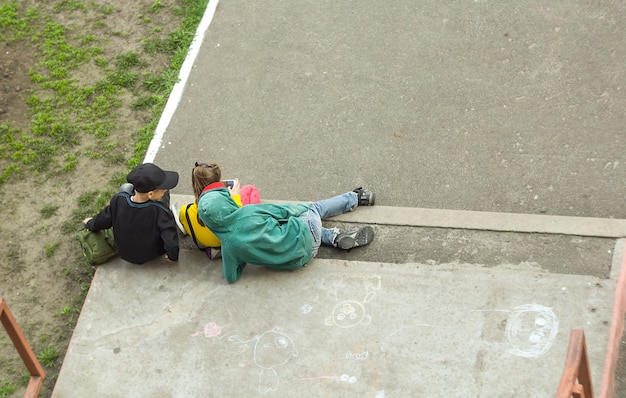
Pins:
x: 269, y: 235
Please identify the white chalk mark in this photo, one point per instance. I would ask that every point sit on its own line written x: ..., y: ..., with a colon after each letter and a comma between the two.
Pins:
x: 531, y: 329
x: 345, y: 378
x: 306, y: 309
x: 347, y: 314
x: 272, y: 349
x: 357, y: 357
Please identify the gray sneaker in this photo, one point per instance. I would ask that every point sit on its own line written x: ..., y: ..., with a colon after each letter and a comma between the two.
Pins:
x: 365, y: 197
x: 213, y: 252
x: 175, y: 210
x: 360, y: 237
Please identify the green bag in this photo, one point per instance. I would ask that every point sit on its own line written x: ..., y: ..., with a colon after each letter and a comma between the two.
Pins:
x: 98, y: 247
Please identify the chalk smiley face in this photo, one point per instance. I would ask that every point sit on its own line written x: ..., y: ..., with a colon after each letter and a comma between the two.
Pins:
x: 273, y: 348
x: 347, y: 314
x: 531, y: 330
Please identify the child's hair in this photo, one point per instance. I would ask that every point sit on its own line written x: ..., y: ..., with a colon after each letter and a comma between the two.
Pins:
x: 202, y: 175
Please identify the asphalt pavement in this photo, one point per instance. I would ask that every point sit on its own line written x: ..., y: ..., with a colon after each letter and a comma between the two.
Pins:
x: 492, y: 133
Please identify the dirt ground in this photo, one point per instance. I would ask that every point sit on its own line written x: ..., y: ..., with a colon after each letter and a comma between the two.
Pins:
x: 43, y: 277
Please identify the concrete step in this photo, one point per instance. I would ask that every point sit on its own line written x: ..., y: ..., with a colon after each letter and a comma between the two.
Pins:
x: 568, y: 245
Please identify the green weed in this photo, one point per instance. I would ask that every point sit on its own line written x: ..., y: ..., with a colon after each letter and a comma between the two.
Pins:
x: 24, y: 378
x: 51, y: 248
x: 70, y: 5
x: 129, y: 60
x: 107, y: 9
x: 146, y: 102
x: 48, y: 211
x: 157, y: 6
x: 48, y: 356
x: 70, y: 162
x: 7, y: 388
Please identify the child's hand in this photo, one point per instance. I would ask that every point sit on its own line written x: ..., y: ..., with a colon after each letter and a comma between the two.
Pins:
x: 235, y: 189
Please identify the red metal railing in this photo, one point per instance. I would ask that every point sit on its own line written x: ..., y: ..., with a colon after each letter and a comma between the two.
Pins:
x: 26, y: 353
x: 576, y: 377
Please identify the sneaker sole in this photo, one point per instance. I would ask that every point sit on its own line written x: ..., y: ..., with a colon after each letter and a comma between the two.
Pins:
x: 372, y: 200
x: 175, y: 210
x: 363, y: 236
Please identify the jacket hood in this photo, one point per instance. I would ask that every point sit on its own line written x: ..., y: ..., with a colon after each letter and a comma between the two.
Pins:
x: 218, y: 203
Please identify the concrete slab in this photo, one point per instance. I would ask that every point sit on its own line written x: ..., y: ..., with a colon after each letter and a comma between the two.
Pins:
x: 335, y: 328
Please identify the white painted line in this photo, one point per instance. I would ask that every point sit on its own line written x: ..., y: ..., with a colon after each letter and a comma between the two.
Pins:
x: 179, y: 87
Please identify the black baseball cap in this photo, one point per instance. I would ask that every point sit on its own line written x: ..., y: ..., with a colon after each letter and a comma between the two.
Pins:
x: 147, y: 177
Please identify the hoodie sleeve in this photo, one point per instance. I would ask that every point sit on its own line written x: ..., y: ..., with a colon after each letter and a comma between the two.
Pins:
x: 283, y: 211
x: 103, y: 220
x: 231, y: 267
x: 169, y: 234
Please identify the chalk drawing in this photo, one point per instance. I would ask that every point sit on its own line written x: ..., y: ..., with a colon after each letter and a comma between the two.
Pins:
x: 349, y: 312
x: 306, y: 309
x: 357, y: 357
x: 380, y: 394
x: 343, y: 378
x: 272, y: 349
x: 211, y: 329
x: 530, y: 330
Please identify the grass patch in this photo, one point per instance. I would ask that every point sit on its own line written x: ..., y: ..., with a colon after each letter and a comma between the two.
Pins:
x: 63, y: 110
x: 48, y: 356
x: 48, y: 211
x: 51, y: 249
x: 82, y: 96
x: 7, y: 388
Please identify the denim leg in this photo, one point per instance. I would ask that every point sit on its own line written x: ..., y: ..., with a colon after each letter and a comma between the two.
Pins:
x: 329, y: 235
x: 336, y: 205
x: 312, y: 219
x: 324, y: 209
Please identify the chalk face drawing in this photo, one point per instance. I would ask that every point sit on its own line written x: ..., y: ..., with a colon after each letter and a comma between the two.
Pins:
x: 349, y: 312
x: 531, y: 330
x: 272, y: 349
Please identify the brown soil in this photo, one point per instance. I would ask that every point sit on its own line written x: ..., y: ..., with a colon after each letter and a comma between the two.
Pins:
x: 44, y: 290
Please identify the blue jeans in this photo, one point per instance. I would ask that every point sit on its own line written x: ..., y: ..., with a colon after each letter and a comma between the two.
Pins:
x: 324, y: 209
